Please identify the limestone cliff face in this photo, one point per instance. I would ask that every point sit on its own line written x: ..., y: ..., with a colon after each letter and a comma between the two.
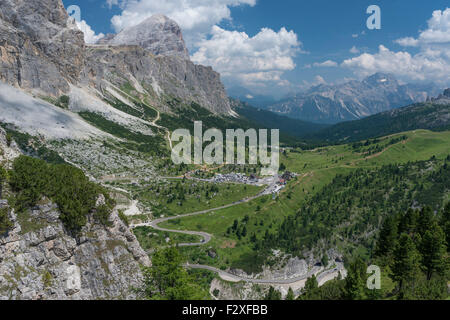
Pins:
x: 42, y: 50
x: 40, y: 260
x: 157, y: 34
x: 40, y: 47
x: 162, y: 77
x: 153, y: 57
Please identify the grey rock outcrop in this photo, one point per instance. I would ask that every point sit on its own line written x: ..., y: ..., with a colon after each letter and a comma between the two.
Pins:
x: 442, y: 99
x: 161, y: 76
x: 7, y: 153
x: 153, y: 55
x: 447, y: 93
x: 40, y: 260
x: 291, y: 268
x: 108, y: 37
x: 43, y: 51
x: 40, y: 47
x: 157, y: 34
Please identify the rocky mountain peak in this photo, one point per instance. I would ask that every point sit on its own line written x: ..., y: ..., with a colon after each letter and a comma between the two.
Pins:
x: 43, y: 52
x: 352, y: 100
x: 378, y: 79
x: 443, y: 98
x: 447, y: 93
x: 158, y: 34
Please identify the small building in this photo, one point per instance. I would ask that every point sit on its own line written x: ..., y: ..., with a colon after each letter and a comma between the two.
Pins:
x: 287, y: 176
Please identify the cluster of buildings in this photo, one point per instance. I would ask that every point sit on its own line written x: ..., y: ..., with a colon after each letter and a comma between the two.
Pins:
x: 285, y: 178
x: 234, y: 178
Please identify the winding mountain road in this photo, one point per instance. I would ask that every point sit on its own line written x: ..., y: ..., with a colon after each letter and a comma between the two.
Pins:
x: 206, y: 236
x: 295, y: 282
x: 321, y: 274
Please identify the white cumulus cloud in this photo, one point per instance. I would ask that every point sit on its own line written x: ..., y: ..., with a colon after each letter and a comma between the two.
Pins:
x: 354, y: 50
x: 422, y: 66
x: 252, y: 61
x: 430, y: 63
x: 408, y: 42
x: 438, y: 31
x: 195, y: 17
x: 318, y: 80
x: 89, y: 35
x: 328, y: 63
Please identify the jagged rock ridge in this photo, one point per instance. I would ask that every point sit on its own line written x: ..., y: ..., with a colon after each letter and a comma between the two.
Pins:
x: 42, y: 51
x: 351, y: 100
x: 434, y: 114
x: 160, y: 76
x: 443, y: 99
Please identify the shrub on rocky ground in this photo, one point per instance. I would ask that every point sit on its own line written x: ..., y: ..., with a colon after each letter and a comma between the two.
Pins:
x: 67, y: 186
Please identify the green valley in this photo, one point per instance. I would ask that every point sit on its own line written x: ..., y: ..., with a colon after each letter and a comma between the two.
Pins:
x: 376, y: 162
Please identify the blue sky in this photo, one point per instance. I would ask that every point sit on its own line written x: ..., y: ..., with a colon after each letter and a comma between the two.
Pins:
x: 298, y: 37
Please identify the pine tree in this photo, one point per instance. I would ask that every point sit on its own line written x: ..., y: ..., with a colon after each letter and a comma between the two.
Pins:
x: 5, y: 222
x: 324, y: 260
x: 387, y: 238
x: 238, y: 233
x: 355, y: 282
x: 445, y: 223
x: 311, y: 284
x: 425, y: 221
x: 168, y: 280
x: 273, y: 294
x: 408, y: 222
x: 2, y: 178
x: 433, y: 249
x: 290, y: 295
x: 405, y: 267
x: 311, y: 290
x: 235, y: 225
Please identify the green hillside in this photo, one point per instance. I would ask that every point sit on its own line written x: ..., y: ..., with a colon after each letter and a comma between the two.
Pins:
x: 268, y: 119
x: 412, y: 253
x: 385, y: 163
x: 419, y: 116
x: 350, y: 208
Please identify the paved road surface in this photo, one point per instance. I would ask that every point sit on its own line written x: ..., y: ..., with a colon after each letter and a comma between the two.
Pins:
x: 321, y: 274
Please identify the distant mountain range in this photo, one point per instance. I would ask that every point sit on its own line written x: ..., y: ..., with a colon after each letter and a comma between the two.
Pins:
x: 352, y: 100
x: 432, y: 115
x: 267, y: 119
